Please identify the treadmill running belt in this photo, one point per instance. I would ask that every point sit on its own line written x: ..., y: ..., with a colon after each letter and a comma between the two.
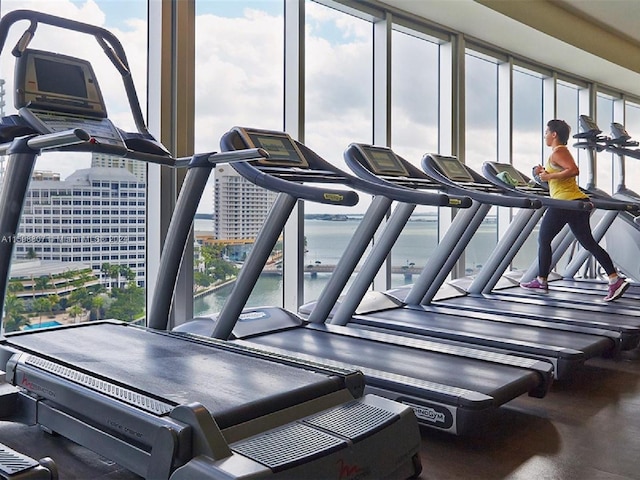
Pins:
x: 232, y: 386
x: 501, y: 382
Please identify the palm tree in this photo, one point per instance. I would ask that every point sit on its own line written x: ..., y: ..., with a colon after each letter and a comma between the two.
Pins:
x: 42, y: 304
x: 127, y: 273
x: 75, y: 311
x: 110, y: 271
x: 15, y: 286
x: 54, y: 299
x: 41, y: 284
x: 14, y: 310
x: 97, y: 302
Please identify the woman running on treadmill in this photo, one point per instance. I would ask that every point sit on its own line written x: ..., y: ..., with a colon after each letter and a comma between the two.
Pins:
x: 560, y: 172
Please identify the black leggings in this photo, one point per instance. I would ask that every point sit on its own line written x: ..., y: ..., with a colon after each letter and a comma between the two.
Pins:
x: 578, y: 220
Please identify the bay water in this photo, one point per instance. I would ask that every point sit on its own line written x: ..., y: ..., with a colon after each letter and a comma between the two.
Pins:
x: 327, y: 240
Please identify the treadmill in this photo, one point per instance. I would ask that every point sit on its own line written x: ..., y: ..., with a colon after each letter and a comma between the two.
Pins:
x: 622, y: 237
x: 430, y: 292
x: 479, y: 294
x: 452, y: 388
x: 618, y: 227
x: 164, y: 405
x: 590, y: 138
x: 565, y: 346
x: 567, y: 291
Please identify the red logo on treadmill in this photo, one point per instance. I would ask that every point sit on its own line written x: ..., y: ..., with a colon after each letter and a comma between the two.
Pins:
x: 34, y: 387
x: 349, y: 472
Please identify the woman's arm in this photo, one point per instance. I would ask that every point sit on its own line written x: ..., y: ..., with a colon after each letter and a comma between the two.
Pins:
x: 563, y: 159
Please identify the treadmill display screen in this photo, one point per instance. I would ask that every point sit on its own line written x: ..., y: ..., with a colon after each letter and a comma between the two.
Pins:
x: 588, y: 125
x: 61, y: 78
x: 383, y: 161
x: 281, y: 147
x: 618, y: 132
x: 59, y: 83
x: 453, y: 169
x: 510, y: 169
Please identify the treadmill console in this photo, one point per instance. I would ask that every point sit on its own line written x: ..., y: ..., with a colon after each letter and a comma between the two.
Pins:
x: 512, y: 172
x: 56, y: 92
x: 453, y: 169
x: 382, y: 161
x: 619, y: 133
x: 282, y: 149
x: 588, y: 127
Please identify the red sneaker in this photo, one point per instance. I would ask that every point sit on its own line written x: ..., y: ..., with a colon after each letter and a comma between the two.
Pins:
x: 616, y: 290
x: 536, y: 285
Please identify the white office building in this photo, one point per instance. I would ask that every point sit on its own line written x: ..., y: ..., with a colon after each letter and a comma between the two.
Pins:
x: 95, y: 216
x: 138, y: 168
x: 240, y: 207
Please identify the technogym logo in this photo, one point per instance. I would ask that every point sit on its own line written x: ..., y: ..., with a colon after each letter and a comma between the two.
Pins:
x: 428, y: 414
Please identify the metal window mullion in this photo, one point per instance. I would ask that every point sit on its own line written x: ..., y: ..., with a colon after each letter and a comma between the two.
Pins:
x: 587, y: 104
x: 453, y: 111
x: 294, y: 124
x: 382, y: 34
x: 170, y: 76
x: 183, y: 128
x: 505, y: 132
x: 159, y: 206
x: 618, y: 165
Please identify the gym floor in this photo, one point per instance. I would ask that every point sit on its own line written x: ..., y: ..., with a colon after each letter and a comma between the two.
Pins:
x: 587, y: 428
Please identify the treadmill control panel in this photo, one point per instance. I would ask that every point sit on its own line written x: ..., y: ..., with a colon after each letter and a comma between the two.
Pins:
x: 102, y: 130
x: 453, y: 169
x: 57, y: 92
x: 54, y: 82
x: 282, y: 150
x: 383, y: 161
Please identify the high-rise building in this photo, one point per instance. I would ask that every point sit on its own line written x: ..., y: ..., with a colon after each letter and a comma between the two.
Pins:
x: 138, y: 168
x: 240, y: 207
x: 95, y: 216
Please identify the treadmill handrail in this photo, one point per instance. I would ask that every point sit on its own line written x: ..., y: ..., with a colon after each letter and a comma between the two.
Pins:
x: 176, y: 240
x: 489, y: 172
x: 407, y: 195
x: 401, y: 193
x: 297, y: 190
x: 292, y: 180
x: 499, y: 199
x: 42, y: 142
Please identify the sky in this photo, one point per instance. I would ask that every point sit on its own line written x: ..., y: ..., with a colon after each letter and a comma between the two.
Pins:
x: 239, y: 78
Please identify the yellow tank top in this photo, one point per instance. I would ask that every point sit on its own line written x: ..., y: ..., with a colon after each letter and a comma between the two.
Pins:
x: 563, y: 188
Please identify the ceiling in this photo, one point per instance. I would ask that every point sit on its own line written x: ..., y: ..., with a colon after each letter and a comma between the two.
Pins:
x: 620, y: 16
x: 598, y: 40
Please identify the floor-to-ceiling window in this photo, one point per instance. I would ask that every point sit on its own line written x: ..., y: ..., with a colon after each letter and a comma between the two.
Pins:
x: 338, y: 111
x: 527, y: 119
x: 481, y: 101
x: 528, y: 89
x: 604, y: 165
x: 414, y: 133
x: 239, y: 81
x: 239, y: 76
x: 632, y: 165
x: 80, y: 249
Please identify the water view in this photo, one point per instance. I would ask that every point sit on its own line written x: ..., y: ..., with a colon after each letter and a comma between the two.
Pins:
x: 327, y: 240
